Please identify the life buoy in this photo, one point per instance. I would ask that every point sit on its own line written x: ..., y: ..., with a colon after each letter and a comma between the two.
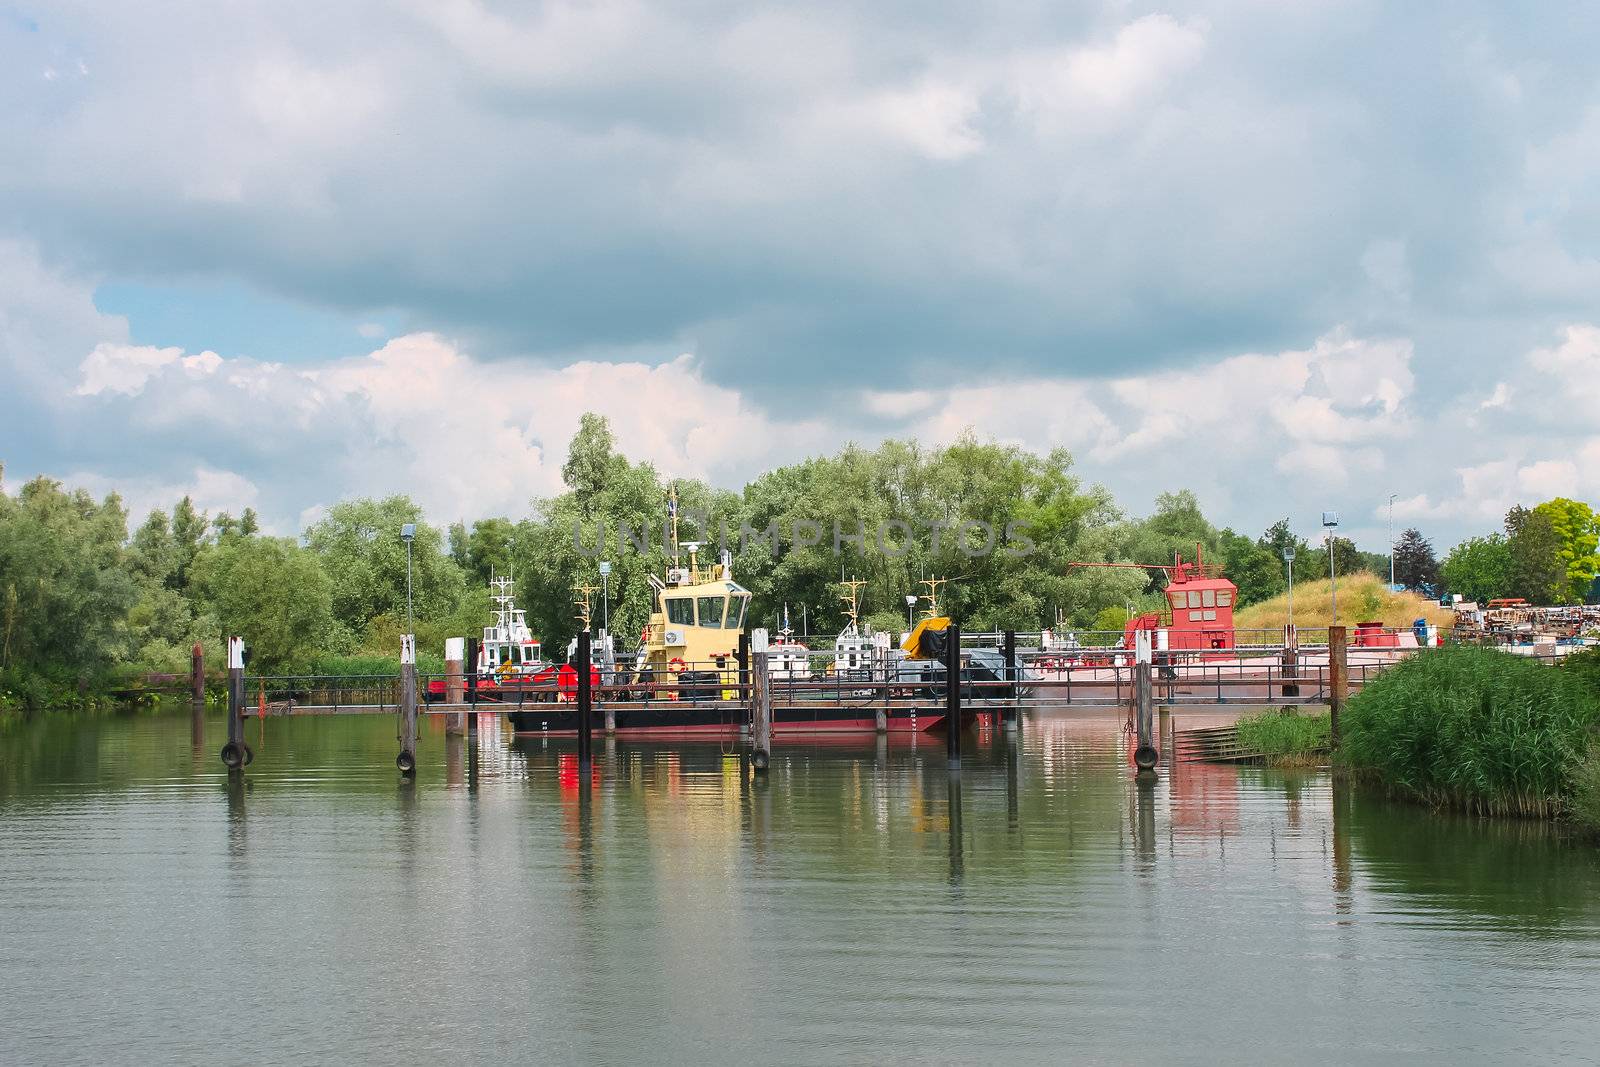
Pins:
x: 676, y: 665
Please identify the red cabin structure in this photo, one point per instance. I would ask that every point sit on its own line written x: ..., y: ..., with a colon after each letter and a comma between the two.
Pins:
x: 1200, y: 603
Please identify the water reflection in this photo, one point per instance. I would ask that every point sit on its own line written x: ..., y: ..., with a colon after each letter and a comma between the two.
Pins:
x: 857, y: 900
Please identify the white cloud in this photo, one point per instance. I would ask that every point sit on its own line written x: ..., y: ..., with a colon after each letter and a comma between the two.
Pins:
x: 120, y: 368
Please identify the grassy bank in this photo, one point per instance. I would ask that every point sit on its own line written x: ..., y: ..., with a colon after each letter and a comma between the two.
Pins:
x: 1285, y: 738
x: 1479, y: 730
x: 1362, y: 598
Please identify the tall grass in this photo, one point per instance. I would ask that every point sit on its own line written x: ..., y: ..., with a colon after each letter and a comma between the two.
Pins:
x: 1362, y: 598
x: 1474, y: 728
x: 1285, y: 739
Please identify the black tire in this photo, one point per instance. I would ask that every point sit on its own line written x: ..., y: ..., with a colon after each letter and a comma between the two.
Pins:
x: 233, y: 755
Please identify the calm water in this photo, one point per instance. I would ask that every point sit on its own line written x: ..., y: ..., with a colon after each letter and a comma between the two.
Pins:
x: 851, y: 907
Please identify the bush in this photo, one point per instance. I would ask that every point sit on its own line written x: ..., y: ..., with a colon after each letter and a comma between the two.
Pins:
x: 1586, y: 791
x: 1283, y: 737
x: 1585, y: 667
x: 1476, y: 728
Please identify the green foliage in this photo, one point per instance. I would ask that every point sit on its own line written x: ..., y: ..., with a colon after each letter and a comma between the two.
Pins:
x: 1585, y: 667
x: 1283, y: 736
x: 1473, y: 727
x: 1586, y: 790
x: 1259, y: 573
x: 359, y: 548
x: 1415, y: 565
x: 1536, y: 570
x: 1577, y: 535
x: 65, y: 588
x: 1479, y: 568
x: 1111, y: 619
x: 272, y: 592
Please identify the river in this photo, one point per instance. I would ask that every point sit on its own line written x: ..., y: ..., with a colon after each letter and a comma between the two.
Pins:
x: 852, y: 906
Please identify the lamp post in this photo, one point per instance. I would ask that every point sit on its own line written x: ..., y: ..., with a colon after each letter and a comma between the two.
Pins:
x: 1391, y: 540
x: 1330, y: 522
x: 408, y: 533
x: 605, y: 596
x: 1288, y: 558
x: 911, y: 607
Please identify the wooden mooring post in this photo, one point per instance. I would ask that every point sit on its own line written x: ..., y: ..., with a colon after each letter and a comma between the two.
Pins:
x: 197, y: 675
x: 585, y: 703
x: 1145, y: 753
x: 407, y: 759
x: 1291, y: 661
x: 760, y: 702
x: 952, y: 695
x: 235, y: 753
x: 454, y: 687
x: 1338, y: 680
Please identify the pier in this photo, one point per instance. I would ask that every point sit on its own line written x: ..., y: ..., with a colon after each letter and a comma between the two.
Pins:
x: 747, y: 700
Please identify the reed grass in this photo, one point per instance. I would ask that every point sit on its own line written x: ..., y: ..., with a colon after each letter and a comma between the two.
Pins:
x: 1474, y: 728
x: 1362, y: 598
x: 1285, y: 738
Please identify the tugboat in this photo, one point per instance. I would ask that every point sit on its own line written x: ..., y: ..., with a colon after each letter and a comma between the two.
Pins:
x: 788, y: 659
x: 510, y: 665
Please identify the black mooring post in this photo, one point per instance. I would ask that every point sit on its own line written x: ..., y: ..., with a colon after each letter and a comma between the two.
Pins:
x: 585, y: 698
x: 407, y: 759
x: 236, y: 754
x: 1012, y: 712
x: 952, y: 694
x: 743, y: 656
x: 469, y: 675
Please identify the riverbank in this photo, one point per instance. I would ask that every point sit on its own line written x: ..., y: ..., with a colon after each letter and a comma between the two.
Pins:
x: 1467, y: 728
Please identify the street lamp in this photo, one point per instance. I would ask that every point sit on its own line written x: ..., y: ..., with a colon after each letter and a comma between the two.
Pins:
x: 911, y: 607
x: 605, y: 596
x: 1330, y: 522
x: 408, y: 533
x: 1391, y: 540
x: 1288, y: 557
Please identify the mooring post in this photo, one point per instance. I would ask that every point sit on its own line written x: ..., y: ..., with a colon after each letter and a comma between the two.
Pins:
x: 197, y: 675
x: 952, y: 695
x: 454, y: 688
x: 1012, y: 712
x: 1338, y: 680
x: 235, y: 753
x: 1145, y: 755
x: 407, y: 759
x: 585, y: 699
x: 1162, y: 672
x: 470, y: 681
x: 760, y: 702
x: 1291, y: 661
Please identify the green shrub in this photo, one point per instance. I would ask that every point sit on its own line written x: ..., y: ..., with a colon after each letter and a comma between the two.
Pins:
x: 1477, y: 728
x: 1585, y: 666
x: 1586, y: 790
x: 1283, y: 737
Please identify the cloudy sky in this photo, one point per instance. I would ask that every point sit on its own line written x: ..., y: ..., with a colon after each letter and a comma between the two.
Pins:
x: 1292, y: 256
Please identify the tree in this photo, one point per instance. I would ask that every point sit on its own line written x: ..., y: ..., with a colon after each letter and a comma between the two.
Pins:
x: 1254, y: 568
x: 1415, y: 566
x: 1347, y: 560
x: 1577, y: 532
x: 273, y: 593
x: 360, y: 549
x: 1479, y: 568
x: 65, y: 584
x: 1538, y: 573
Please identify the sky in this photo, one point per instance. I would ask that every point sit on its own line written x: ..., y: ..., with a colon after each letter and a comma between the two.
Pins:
x: 1294, y: 257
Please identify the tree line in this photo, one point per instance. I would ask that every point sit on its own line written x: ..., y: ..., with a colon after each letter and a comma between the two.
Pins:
x: 83, y: 603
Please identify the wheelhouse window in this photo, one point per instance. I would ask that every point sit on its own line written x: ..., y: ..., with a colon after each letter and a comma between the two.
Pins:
x: 1208, y: 598
x: 680, y: 611
x: 1194, y: 598
x: 1177, y: 599
x: 735, y: 612
x: 711, y: 612
x: 1224, y: 598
